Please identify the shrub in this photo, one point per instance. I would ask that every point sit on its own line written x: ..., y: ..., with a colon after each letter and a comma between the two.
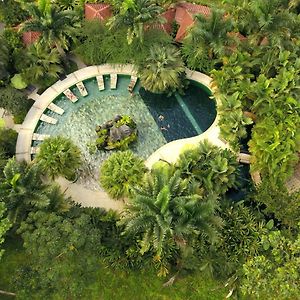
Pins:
x: 59, y: 156
x: 11, y: 12
x: 213, y: 168
x: 14, y: 101
x: 8, y: 139
x: 120, y: 172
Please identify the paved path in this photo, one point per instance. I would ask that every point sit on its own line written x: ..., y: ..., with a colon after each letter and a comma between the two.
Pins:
x: 89, y: 198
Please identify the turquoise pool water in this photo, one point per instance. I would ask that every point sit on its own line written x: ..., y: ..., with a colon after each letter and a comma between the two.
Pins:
x: 159, y: 119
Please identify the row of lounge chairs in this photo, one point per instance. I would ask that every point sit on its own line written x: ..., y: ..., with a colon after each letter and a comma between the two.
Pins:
x: 72, y: 97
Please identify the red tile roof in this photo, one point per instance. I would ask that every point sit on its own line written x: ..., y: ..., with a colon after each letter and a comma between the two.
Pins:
x: 30, y: 37
x: 99, y: 11
x: 184, y: 16
x: 169, y: 16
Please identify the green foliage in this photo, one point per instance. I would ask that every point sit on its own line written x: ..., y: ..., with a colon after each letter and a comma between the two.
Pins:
x: 163, y: 70
x: 22, y: 190
x: 274, y: 274
x: 4, y: 226
x: 13, y: 38
x: 168, y: 213
x: 8, y: 139
x: 17, y: 81
x: 11, y: 12
x: 214, y: 169
x: 120, y: 172
x: 39, y: 64
x: 59, y: 156
x: 112, y: 136
x: 57, y: 26
x: 14, y: 101
x: 278, y: 201
x: 4, y: 59
x: 207, y: 41
x: 62, y: 254
x: 135, y: 15
x: 101, y: 45
x: 232, y: 120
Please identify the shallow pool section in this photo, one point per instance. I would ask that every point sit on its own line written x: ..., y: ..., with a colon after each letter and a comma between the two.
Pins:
x: 159, y: 119
x: 182, y: 116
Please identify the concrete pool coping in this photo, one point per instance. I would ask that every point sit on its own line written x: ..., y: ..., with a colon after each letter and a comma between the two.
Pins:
x: 169, y: 152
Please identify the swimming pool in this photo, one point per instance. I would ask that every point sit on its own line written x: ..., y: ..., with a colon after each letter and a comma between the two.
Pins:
x: 159, y: 119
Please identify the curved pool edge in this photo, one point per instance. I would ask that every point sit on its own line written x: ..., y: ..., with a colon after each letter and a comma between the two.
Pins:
x: 171, y: 151
x: 24, y: 141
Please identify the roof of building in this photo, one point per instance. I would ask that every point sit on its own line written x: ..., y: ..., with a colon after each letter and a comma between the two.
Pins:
x: 29, y: 37
x: 99, y: 11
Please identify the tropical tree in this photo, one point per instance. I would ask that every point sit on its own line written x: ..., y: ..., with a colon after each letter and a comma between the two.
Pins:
x: 41, y: 64
x: 120, y: 173
x: 136, y: 15
x: 163, y: 70
x: 57, y: 27
x: 213, y: 168
x: 59, y: 156
x: 22, y: 190
x: 165, y: 214
x: 207, y: 41
x: 8, y: 139
x: 274, y: 273
x: 4, y: 225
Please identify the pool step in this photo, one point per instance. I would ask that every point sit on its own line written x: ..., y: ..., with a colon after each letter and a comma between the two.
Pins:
x: 55, y: 108
x: 113, y: 81
x: 132, y: 83
x: 48, y: 119
x: 70, y: 95
x: 100, y: 82
x: 39, y: 136
x: 82, y: 89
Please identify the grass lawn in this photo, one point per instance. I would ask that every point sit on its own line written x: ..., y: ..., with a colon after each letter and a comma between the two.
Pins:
x: 120, y: 285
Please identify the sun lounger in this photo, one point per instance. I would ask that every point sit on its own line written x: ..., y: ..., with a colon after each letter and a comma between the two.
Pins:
x: 55, y: 108
x: 132, y: 83
x: 244, y: 158
x: 113, y: 81
x: 100, y: 82
x: 48, y: 119
x: 82, y: 88
x: 69, y: 94
x: 39, y: 137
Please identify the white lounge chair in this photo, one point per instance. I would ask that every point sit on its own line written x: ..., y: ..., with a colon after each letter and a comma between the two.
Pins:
x: 39, y: 137
x: 69, y: 94
x: 82, y: 88
x: 34, y: 150
x: 48, y: 119
x: 55, y: 108
x: 100, y: 82
x: 132, y: 83
x: 113, y: 81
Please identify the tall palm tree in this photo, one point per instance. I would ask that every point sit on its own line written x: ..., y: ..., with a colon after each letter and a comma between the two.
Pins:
x: 167, y: 213
x: 42, y: 63
x: 163, y: 70
x: 207, y: 40
x: 22, y: 189
x: 59, y: 156
x: 57, y: 27
x: 135, y: 14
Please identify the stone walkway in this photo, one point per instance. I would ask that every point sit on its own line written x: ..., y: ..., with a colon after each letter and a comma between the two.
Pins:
x: 89, y: 198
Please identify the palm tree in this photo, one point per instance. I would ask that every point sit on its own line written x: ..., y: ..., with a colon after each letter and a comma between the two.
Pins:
x: 135, y: 14
x: 57, y: 27
x: 163, y: 70
x: 22, y: 189
x: 59, y: 156
x: 168, y: 214
x: 208, y: 40
x: 42, y: 63
x: 213, y: 168
x: 120, y: 172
